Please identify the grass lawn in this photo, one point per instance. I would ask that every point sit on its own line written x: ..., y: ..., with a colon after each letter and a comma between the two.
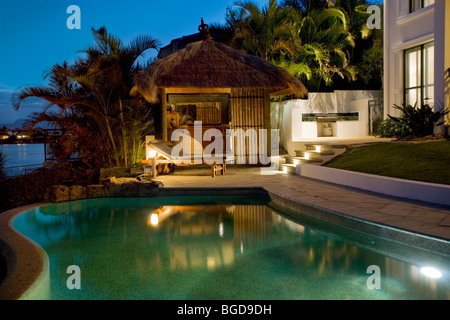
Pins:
x: 429, y: 162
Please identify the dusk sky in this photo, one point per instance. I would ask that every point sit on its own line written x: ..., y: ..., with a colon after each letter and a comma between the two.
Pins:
x: 34, y: 35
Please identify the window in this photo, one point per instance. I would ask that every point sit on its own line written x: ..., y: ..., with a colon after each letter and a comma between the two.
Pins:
x: 419, y: 75
x: 211, y: 109
x: 415, y: 5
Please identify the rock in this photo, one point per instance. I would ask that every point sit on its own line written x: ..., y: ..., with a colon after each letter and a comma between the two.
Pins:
x: 131, y: 187
x: 136, y: 171
x: 121, y: 181
x: 59, y: 193
x: 95, y: 191
x: 116, y: 187
x: 77, y: 192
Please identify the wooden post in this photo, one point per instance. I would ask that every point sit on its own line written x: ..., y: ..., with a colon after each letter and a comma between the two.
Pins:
x: 154, y: 168
x: 267, y: 124
x: 164, y: 114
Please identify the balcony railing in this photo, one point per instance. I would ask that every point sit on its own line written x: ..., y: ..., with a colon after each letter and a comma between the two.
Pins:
x: 20, y: 170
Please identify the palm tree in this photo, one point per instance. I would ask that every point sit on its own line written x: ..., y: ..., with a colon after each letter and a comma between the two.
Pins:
x: 71, y: 108
x: 367, y: 54
x: 108, y: 72
x: 93, y: 94
x: 264, y: 32
x: 322, y: 40
x: 306, y: 6
x: 311, y: 39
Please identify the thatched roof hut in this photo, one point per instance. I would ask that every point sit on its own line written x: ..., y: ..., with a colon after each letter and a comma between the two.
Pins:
x: 209, y: 64
x: 217, y: 84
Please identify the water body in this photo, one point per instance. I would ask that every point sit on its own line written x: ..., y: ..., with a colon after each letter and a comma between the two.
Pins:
x: 205, y: 248
x: 23, y: 155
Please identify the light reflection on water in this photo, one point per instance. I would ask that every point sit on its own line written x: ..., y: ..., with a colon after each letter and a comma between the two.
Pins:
x: 174, y: 248
x: 23, y: 154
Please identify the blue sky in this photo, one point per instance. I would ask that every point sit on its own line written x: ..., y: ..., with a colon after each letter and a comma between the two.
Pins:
x: 34, y: 35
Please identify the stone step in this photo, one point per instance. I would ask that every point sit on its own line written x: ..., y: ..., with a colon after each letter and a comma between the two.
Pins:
x: 289, y: 168
x: 301, y: 160
x: 312, y: 154
x: 323, y: 149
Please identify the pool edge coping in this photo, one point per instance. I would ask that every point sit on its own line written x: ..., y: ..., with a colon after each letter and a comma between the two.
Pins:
x: 23, y: 276
x: 22, y: 255
x: 384, y: 231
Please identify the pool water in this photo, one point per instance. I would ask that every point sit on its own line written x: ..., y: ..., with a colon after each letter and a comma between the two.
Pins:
x: 224, y: 248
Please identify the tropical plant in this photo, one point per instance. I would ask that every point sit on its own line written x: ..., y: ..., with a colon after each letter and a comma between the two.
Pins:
x: 389, y: 128
x: 322, y: 39
x: 371, y: 67
x: 264, y: 32
x: 108, y: 72
x: 321, y: 42
x: 91, y: 101
x: 421, y: 120
x: 306, y: 6
x: 367, y: 54
x: 356, y: 62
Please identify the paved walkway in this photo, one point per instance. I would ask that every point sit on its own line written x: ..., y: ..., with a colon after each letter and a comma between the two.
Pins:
x: 416, y: 217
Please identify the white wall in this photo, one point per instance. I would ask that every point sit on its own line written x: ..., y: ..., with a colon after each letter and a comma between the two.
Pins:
x: 414, y: 190
x: 404, y: 30
x: 337, y: 101
x: 293, y: 131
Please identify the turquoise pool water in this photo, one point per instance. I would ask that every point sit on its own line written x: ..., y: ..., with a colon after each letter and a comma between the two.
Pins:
x: 219, y: 248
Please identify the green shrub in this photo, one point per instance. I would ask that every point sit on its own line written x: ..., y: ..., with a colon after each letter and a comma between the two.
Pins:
x: 118, y: 172
x: 32, y: 187
x: 390, y: 129
x: 421, y: 121
x: 376, y: 125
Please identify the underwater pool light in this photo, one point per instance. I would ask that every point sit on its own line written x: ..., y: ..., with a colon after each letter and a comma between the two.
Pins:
x: 431, y: 272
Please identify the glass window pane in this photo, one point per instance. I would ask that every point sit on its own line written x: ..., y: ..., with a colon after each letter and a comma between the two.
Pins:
x: 429, y: 74
x: 415, y: 5
x: 412, y: 71
x: 429, y: 95
x: 429, y: 64
x: 427, y: 3
x: 419, y: 75
x: 412, y: 96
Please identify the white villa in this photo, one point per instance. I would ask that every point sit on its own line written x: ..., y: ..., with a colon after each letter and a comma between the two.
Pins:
x: 417, y: 54
x: 416, y: 70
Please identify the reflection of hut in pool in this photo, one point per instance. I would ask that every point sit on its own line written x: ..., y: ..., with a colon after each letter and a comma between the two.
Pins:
x: 218, y: 85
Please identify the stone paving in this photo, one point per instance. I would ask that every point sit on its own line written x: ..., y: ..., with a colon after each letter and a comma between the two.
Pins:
x: 426, y: 219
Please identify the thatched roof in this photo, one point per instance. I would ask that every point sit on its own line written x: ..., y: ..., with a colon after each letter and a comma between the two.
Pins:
x: 209, y: 64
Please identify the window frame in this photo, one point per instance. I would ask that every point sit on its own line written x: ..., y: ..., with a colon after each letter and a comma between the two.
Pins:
x: 422, y: 5
x: 423, y: 86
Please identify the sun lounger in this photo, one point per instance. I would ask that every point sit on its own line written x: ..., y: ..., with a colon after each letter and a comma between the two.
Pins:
x: 163, y: 155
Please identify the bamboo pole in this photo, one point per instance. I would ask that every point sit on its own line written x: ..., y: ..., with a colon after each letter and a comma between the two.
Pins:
x: 267, y: 125
x: 164, y: 114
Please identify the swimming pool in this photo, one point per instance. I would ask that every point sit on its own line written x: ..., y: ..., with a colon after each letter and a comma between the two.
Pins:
x: 219, y: 248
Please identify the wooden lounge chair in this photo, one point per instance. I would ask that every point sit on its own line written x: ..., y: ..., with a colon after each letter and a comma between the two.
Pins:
x: 164, y: 156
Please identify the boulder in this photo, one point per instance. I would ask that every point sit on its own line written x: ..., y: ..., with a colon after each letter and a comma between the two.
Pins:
x: 95, y: 191
x: 115, y: 187
x: 77, y: 193
x: 59, y: 193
